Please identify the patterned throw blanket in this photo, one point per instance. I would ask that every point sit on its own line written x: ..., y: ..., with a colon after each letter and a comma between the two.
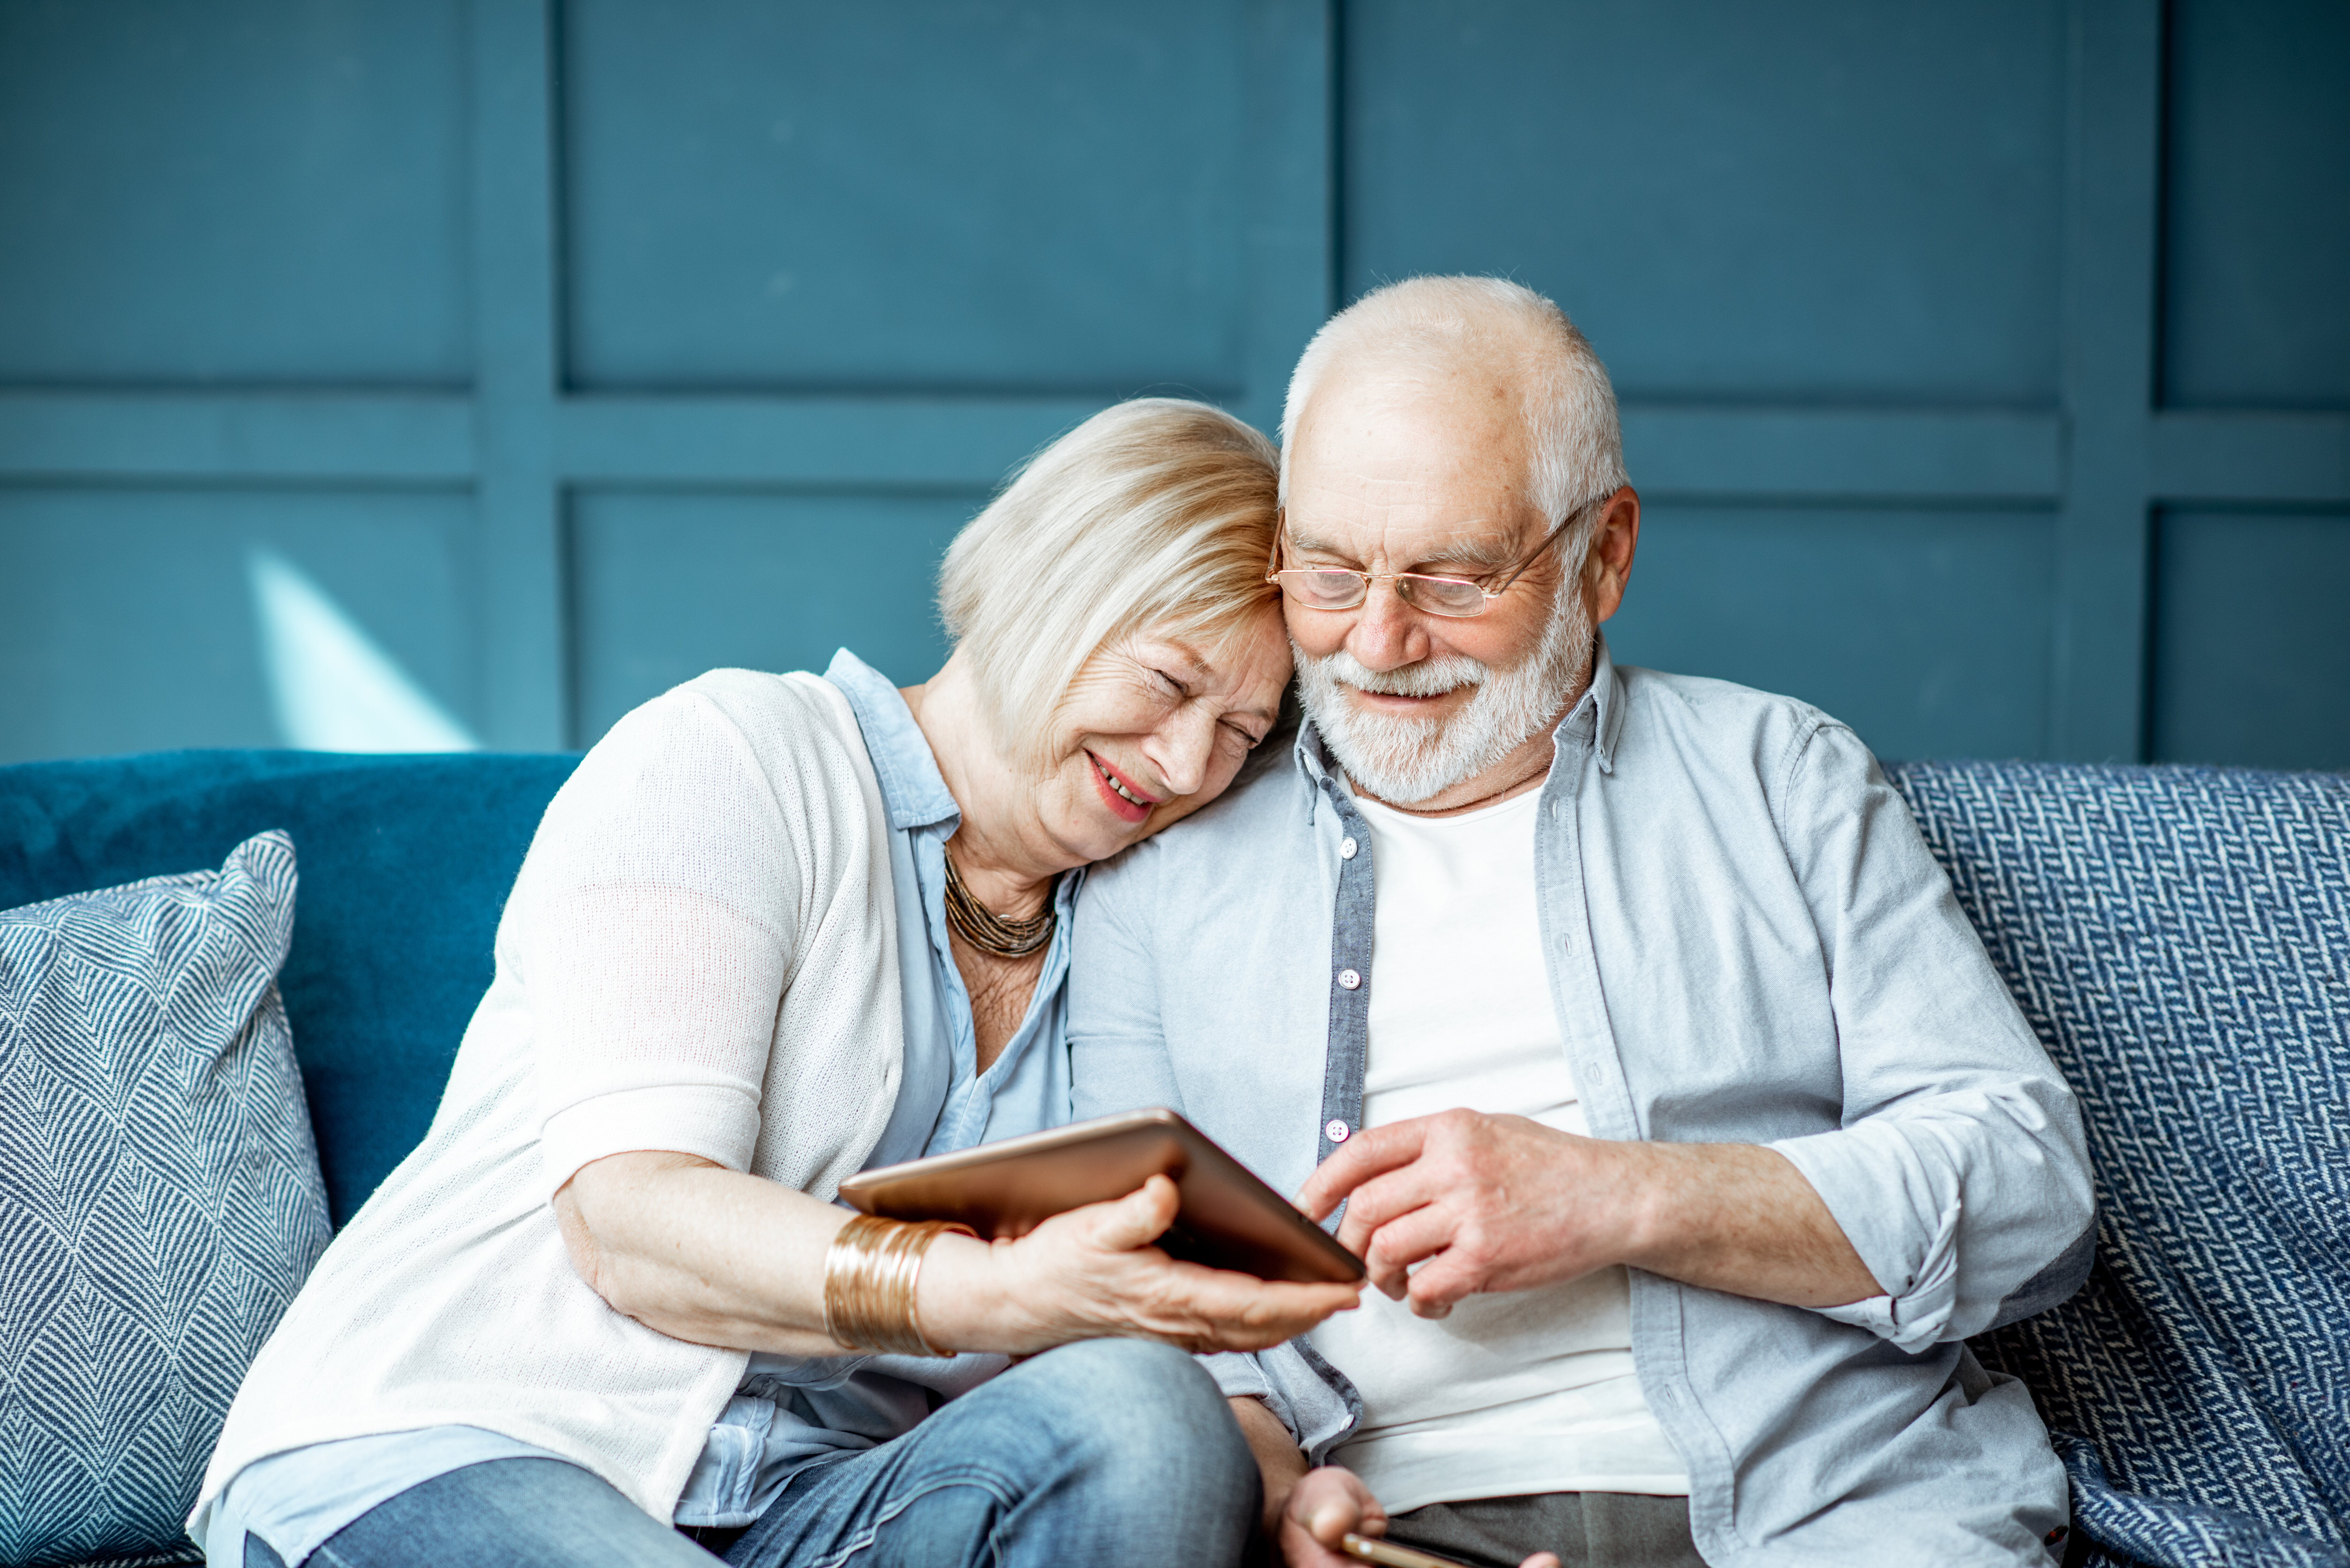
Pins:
x: 2181, y: 938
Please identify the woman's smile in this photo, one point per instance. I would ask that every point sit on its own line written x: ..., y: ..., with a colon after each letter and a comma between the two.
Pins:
x: 1123, y: 794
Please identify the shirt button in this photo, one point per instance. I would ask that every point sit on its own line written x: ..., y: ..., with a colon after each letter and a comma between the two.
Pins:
x: 1345, y: 849
x: 1349, y: 979
x: 1337, y: 1131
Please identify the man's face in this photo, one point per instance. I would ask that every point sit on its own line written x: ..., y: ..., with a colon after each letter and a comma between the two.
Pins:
x: 1391, y: 476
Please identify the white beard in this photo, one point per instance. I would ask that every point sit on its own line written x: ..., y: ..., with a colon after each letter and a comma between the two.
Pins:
x: 1406, y: 759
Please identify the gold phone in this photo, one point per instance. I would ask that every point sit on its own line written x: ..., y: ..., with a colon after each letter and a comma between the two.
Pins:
x: 1367, y: 1549
x: 1228, y: 1217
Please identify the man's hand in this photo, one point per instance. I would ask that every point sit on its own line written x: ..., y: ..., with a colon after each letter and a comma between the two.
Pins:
x: 1328, y: 1502
x: 1491, y: 1203
x: 1502, y: 1203
x: 1323, y: 1506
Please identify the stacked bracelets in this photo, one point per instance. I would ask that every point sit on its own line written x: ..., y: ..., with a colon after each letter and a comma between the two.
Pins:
x: 869, y: 1283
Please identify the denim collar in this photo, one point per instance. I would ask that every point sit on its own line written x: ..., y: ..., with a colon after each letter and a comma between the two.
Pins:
x: 1598, y: 714
x: 912, y: 788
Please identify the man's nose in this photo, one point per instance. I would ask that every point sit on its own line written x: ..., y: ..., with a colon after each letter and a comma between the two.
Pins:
x: 1388, y: 633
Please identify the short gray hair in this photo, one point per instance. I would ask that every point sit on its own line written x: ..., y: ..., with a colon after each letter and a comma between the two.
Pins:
x: 1432, y: 323
x: 1155, y: 512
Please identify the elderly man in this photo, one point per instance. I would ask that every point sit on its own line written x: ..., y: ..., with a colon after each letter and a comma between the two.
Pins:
x: 1685, y: 1126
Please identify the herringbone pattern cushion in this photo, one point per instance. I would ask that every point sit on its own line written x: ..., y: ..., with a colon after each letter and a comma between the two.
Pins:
x: 159, y: 1199
x: 2181, y: 938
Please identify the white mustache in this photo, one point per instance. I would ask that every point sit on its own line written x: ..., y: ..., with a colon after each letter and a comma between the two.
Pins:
x: 1428, y: 678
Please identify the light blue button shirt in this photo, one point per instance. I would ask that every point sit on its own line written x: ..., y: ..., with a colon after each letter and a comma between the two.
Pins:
x: 796, y: 1410
x: 790, y: 1411
x: 1747, y: 941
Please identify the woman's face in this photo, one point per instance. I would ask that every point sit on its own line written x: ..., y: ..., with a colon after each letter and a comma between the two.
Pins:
x: 1153, y: 729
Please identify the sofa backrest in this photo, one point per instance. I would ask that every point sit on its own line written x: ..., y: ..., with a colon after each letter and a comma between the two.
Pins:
x: 404, y: 865
x: 2180, y: 939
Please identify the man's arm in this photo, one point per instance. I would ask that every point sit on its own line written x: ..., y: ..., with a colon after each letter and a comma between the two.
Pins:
x: 1955, y: 1187
x: 1502, y: 1203
x: 1959, y: 1171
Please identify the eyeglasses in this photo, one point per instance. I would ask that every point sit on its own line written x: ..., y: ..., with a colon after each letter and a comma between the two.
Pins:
x: 1341, y: 589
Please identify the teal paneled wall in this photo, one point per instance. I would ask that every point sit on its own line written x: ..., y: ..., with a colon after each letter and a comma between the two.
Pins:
x: 923, y: 196
x: 411, y: 372
x: 232, y: 192
x: 1864, y: 207
x: 2251, y: 661
x: 1929, y: 627
x: 669, y: 586
x: 158, y: 618
x: 2257, y: 230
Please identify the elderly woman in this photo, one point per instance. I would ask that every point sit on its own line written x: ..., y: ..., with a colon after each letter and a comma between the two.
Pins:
x: 774, y: 930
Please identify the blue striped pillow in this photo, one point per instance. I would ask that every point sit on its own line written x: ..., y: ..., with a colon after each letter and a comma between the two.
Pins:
x: 159, y: 1197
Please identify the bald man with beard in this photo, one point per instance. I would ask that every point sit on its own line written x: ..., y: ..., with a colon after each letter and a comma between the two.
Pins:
x: 1624, y: 1017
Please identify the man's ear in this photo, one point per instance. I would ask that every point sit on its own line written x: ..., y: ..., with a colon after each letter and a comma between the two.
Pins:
x: 1608, y: 564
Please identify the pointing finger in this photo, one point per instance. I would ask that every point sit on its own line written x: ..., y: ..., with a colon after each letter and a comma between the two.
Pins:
x: 1368, y: 1154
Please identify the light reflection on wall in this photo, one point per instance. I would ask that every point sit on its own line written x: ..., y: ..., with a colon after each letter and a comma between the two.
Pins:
x: 331, y: 687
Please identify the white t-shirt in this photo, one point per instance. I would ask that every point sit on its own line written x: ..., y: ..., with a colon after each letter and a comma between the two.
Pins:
x: 1532, y: 1391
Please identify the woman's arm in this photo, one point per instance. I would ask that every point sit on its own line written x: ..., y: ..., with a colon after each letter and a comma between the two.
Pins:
x: 712, y: 1256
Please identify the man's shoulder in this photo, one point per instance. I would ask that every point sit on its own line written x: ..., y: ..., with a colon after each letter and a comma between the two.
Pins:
x: 1265, y: 810
x: 1717, y: 736
x: 1715, y: 715
x: 1718, y: 703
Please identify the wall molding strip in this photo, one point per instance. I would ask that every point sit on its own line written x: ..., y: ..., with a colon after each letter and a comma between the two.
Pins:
x: 524, y: 635
x: 2103, y: 530
x: 363, y: 439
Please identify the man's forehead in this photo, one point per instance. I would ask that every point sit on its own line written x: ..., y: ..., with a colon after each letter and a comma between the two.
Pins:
x: 1335, y: 505
x: 1467, y: 541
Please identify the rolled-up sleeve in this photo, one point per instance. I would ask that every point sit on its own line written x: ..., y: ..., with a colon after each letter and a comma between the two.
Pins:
x: 1959, y: 1173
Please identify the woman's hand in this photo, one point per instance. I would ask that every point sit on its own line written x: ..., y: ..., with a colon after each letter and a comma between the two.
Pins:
x: 1093, y: 1273
x: 717, y: 1257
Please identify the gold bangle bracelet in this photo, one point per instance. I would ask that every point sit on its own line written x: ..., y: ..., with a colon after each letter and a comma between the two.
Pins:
x: 869, y: 1274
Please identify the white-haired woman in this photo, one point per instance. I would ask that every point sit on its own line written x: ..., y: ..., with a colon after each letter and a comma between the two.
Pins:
x: 774, y: 930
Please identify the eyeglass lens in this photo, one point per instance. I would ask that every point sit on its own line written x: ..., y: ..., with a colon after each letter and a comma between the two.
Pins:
x: 1335, y: 590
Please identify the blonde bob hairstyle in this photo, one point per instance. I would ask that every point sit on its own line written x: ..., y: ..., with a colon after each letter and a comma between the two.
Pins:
x: 1155, y: 514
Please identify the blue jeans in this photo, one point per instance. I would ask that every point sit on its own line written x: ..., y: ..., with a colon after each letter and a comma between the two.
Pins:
x: 1106, y: 1451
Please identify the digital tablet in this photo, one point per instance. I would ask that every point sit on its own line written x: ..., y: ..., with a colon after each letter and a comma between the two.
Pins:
x: 1229, y: 1219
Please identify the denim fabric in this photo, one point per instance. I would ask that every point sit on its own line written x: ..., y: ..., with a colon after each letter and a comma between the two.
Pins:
x: 1747, y: 941
x: 294, y: 1502
x: 1109, y: 1451
x: 500, y: 1514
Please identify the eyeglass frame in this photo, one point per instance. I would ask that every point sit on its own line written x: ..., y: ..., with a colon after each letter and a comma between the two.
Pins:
x: 1509, y: 575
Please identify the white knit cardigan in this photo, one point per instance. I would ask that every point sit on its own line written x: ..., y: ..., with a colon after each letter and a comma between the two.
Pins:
x: 700, y: 954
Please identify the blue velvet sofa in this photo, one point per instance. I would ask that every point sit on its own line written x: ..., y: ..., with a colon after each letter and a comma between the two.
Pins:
x: 2180, y: 938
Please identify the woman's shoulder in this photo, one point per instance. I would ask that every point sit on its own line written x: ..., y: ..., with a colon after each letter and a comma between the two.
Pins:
x: 790, y: 739
x: 779, y: 718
